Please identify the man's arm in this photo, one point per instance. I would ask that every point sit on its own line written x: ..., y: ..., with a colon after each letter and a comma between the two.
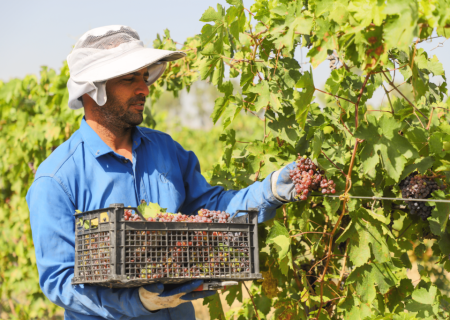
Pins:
x: 52, y: 224
x: 200, y: 194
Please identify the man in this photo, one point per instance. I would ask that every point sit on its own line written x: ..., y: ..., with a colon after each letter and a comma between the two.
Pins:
x: 112, y: 160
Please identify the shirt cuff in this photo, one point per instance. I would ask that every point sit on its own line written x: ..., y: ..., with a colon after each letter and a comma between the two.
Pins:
x: 273, y: 183
x: 269, y: 207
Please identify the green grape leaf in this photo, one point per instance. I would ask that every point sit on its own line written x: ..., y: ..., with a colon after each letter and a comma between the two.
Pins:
x: 317, y: 144
x: 212, y: 15
x: 380, y: 135
x: 215, y: 307
x: 421, y: 165
x: 302, y: 100
x: 150, y: 209
x: 219, y: 107
x: 441, y: 213
x: 283, y: 125
x: 376, y: 275
x: 365, y: 232
x: 234, y: 293
x: 229, y: 137
x: 282, y: 244
x: 263, y: 92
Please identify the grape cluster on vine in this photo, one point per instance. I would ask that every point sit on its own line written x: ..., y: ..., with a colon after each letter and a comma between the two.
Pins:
x: 311, y: 275
x: 308, y: 177
x: 417, y: 186
x: 203, y: 216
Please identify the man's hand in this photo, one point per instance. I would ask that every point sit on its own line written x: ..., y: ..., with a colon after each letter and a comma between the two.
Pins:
x: 283, y: 187
x: 154, y: 297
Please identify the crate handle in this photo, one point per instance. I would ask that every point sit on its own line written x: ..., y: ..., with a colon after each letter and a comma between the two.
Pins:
x: 250, y: 210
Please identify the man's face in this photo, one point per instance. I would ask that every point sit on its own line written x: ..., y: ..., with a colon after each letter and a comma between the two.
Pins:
x: 125, y: 100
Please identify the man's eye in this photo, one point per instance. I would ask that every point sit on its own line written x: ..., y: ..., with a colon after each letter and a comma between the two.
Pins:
x: 128, y: 79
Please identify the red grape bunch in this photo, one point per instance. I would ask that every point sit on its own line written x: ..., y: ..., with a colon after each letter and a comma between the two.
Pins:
x: 204, y: 216
x: 417, y: 186
x: 307, y: 177
x: 129, y: 215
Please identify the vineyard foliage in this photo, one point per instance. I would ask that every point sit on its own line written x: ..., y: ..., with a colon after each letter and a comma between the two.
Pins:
x: 323, y: 258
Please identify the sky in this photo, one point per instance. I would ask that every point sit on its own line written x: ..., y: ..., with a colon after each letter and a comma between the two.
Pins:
x: 37, y: 33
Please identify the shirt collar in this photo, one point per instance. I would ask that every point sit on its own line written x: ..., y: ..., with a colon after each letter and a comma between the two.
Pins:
x: 97, y: 146
x: 137, y: 137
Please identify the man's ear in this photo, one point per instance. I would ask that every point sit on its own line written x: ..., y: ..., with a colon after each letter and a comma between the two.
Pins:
x: 87, y: 100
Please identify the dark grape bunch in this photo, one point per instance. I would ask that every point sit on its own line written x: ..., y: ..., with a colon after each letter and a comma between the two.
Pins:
x: 204, y: 216
x: 417, y: 186
x: 307, y: 177
x: 311, y: 275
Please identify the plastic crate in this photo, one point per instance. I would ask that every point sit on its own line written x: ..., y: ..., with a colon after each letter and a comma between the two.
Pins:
x: 112, y: 252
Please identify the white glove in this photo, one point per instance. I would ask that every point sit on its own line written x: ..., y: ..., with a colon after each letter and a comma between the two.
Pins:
x: 154, y: 297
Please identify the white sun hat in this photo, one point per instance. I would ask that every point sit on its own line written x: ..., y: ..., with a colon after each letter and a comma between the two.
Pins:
x: 109, y: 52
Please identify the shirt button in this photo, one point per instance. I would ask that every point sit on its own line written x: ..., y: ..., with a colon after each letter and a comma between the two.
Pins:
x: 125, y: 161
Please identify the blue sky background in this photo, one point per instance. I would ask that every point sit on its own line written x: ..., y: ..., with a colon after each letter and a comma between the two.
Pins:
x: 36, y: 33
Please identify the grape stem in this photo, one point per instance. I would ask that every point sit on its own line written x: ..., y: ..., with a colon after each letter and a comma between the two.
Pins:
x: 299, y: 234
x: 431, y: 117
x: 341, y: 276
x: 348, y: 186
x: 333, y: 95
x: 392, y: 85
x: 389, y: 98
x: 297, y: 279
x: 334, y: 164
x: 253, y: 302
x: 404, y: 230
x: 359, y: 99
x: 412, y: 63
x: 11, y: 306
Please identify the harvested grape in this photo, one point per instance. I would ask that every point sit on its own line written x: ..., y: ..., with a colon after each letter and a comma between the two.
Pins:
x: 203, y: 216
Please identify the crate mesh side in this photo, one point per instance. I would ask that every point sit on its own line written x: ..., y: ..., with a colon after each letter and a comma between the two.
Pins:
x: 94, y: 256
x: 176, y: 254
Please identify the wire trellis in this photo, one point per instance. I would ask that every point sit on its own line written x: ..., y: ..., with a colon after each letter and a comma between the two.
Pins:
x: 383, y: 198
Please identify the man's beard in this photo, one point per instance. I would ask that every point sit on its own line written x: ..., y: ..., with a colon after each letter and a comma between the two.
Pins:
x: 117, y: 114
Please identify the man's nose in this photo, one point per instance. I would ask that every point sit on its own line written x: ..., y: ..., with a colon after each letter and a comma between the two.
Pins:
x: 142, y: 88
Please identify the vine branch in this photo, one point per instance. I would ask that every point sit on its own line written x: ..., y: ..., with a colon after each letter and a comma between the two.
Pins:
x: 344, y: 201
x: 392, y: 85
x: 389, y: 98
x: 331, y: 161
x: 333, y: 95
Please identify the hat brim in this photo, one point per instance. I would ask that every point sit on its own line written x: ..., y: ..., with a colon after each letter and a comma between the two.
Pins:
x: 128, y: 62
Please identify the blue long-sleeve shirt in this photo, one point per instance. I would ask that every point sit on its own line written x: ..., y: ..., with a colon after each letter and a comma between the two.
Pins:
x: 86, y: 174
